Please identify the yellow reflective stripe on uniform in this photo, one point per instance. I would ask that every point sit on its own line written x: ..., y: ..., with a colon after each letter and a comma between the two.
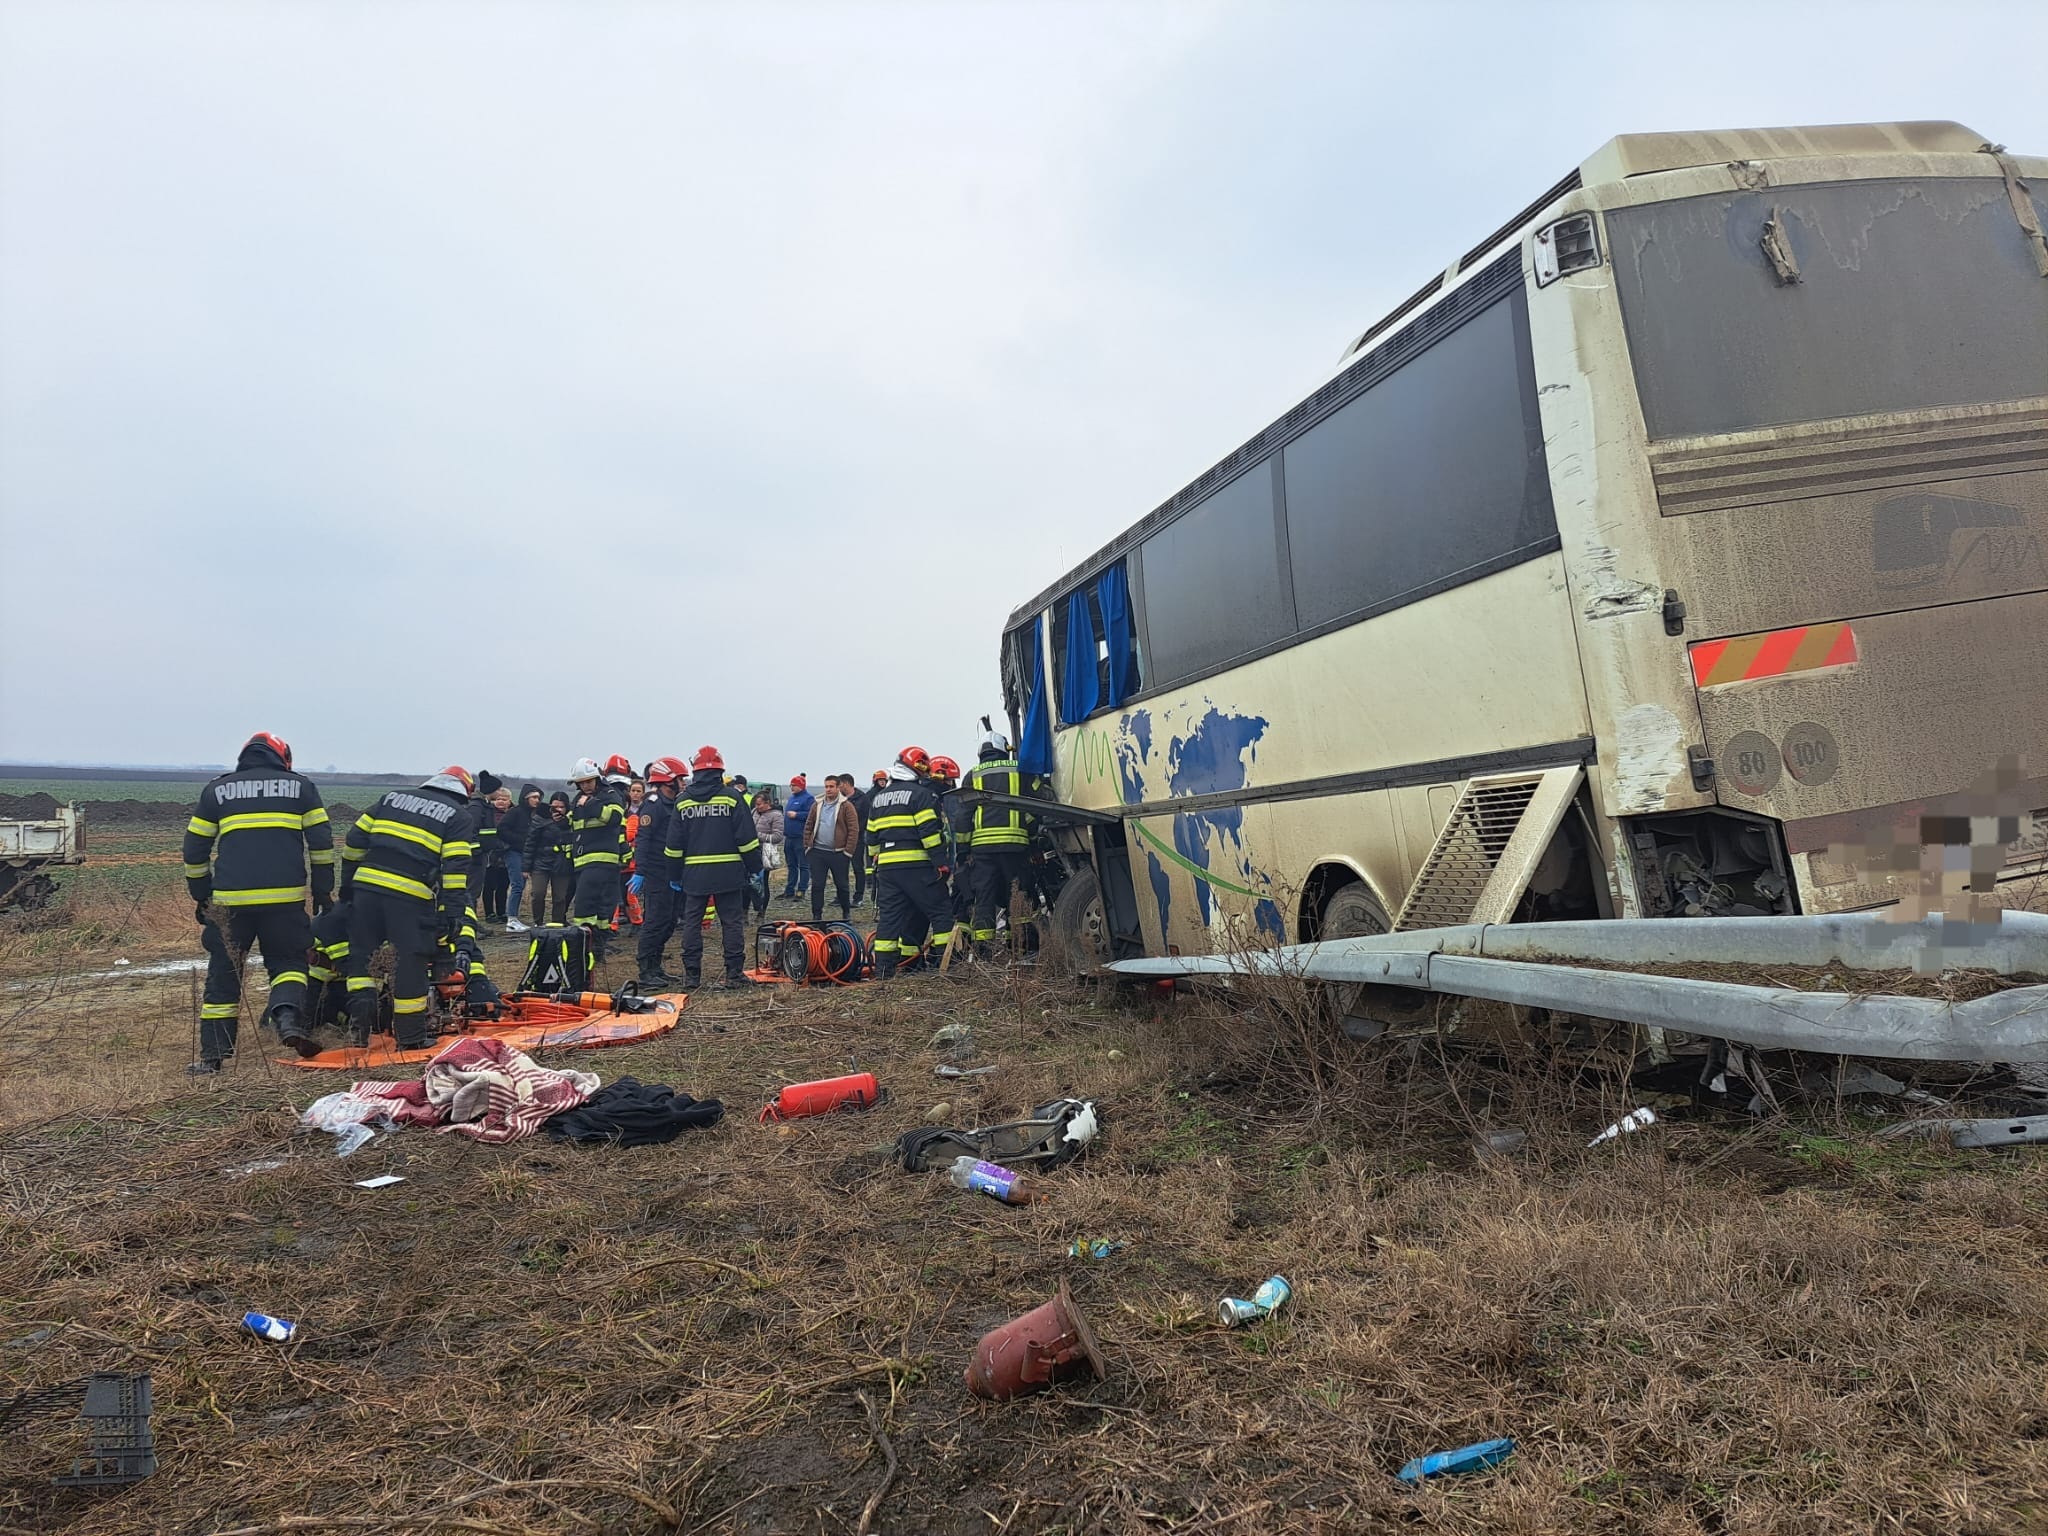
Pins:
x: 597, y: 858
x: 362, y: 984
x: 263, y: 898
x: 431, y: 841
x: 284, y: 976
x: 713, y: 858
x: 198, y: 871
x: 334, y: 951
x: 885, y: 946
x: 455, y: 882
x: 457, y: 850
x: 983, y: 935
x: 245, y: 821
x: 903, y: 856
x: 353, y: 854
x: 408, y: 1005
x: 321, y: 974
x: 314, y: 817
x: 199, y: 827
x: 892, y: 823
x: 219, y: 1010
x: 750, y: 845
x: 404, y: 885
x: 320, y: 856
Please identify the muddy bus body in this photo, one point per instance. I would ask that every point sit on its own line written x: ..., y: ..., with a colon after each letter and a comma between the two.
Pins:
x: 1677, y: 549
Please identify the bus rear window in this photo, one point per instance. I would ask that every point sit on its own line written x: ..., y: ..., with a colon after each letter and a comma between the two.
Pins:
x: 1908, y: 295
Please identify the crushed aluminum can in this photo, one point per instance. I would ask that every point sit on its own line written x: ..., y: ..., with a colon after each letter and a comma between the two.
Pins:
x: 1095, y: 1247
x: 1235, y: 1311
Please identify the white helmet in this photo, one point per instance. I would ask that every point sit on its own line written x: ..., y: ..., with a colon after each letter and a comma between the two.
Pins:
x: 586, y: 768
x: 994, y: 741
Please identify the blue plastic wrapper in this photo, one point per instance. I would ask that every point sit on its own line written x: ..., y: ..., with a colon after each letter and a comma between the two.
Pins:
x: 1472, y: 1458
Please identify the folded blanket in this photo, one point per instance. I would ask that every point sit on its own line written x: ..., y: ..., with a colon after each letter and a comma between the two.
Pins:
x: 482, y: 1088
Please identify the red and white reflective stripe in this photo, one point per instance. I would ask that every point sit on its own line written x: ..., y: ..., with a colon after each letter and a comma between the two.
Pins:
x: 1775, y: 653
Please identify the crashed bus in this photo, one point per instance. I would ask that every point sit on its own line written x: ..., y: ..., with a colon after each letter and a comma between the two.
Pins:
x: 1672, y: 552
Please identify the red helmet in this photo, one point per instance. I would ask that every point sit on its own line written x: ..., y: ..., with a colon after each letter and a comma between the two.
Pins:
x: 916, y: 759
x: 461, y: 775
x: 619, y: 763
x: 707, y: 757
x: 881, y: 776
x: 945, y: 768
x: 666, y: 770
x: 276, y: 744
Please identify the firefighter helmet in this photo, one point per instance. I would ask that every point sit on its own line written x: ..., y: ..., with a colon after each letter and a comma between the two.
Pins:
x: 707, y: 757
x: 916, y: 759
x: 666, y: 770
x: 586, y: 768
x: 276, y: 744
x: 945, y: 768
x: 461, y: 776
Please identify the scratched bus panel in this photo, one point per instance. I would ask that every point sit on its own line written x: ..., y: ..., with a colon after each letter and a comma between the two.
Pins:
x: 1770, y: 570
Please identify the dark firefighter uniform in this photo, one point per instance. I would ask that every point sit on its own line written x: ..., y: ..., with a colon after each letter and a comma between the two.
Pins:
x: 405, y: 871
x: 258, y: 844
x: 463, y: 954
x: 998, y: 842
x: 657, y: 901
x: 598, y: 823
x: 711, y: 849
x: 327, y: 995
x: 906, y: 843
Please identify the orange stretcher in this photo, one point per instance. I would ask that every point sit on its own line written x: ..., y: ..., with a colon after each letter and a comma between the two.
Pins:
x: 531, y: 1024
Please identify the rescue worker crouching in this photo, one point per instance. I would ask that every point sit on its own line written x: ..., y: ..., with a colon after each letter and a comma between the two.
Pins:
x: 711, y: 848
x: 906, y: 847
x: 665, y: 777
x: 998, y: 837
x: 257, y: 844
x: 597, y: 818
x: 406, y: 867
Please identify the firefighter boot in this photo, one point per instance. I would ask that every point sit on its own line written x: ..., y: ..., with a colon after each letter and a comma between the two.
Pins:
x: 291, y: 1029
x: 362, y: 1013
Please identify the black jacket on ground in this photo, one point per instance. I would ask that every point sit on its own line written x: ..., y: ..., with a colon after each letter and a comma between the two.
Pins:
x: 711, y: 844
x: 630, y: 1113
x: 254, y: 833
x: 417, y: 842
x: 599, y: 821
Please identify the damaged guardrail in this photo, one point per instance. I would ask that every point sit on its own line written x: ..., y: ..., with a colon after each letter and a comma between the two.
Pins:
x: 1524, y: 964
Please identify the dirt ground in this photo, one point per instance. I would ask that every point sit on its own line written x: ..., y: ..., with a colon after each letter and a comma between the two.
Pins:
x: 1722, y: 1325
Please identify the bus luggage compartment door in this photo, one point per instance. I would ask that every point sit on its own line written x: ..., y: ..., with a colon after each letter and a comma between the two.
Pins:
x: 1848, y: 732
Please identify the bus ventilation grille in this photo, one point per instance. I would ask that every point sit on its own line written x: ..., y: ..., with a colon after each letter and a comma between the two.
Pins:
x: 1489, y: 847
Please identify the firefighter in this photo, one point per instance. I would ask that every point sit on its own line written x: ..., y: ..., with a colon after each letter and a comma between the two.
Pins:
x: 327, y: 969
x: 597, y: 818
x: 999, y: 836
x: 958, y: 822
x: 711, y: 849
x: 665, y: 777
x: 906, y: 843
x: 257, y: 845
x: 405, y: 871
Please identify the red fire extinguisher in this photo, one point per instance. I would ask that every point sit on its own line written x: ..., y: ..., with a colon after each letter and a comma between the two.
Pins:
x: 856, y: 1091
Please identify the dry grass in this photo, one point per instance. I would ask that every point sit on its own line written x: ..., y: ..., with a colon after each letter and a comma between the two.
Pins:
x: 1700, y: 1330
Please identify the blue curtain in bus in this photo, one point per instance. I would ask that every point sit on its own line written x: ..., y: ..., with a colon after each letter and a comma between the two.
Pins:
x: 1034, y: 752
x: 1114, y: 593
x: 1079, y: 690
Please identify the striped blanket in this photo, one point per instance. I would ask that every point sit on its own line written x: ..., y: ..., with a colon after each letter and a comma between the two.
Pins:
x: 484, y: 1089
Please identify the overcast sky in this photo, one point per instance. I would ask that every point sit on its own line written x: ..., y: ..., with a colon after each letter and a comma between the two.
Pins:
x: 504, y: 382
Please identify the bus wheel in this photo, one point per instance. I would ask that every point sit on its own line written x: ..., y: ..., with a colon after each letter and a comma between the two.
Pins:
x: 1080, y: 932
x: 1364, y: 1011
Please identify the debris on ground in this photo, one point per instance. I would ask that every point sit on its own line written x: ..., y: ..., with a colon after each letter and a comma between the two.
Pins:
x: 856, y: 1090
x: 1482, y: 1457
x: 264, y: 1326
x: 1004, y: 1184
x: 382, y: 1181
x: 945, y: 1069
x: 1272, y: 1294
x: 1048, y: 1344
x: 2014, y: 1131
x: 1634, y: 1120
x: 1096, y: 1247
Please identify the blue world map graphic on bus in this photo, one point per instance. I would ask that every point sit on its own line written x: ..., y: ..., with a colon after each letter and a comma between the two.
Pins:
x: 1214, y: 756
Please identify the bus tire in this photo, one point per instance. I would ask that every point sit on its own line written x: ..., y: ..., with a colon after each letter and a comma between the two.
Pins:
x: 1364, y: 1011
x: 1080, y: 929
x: 1352, y: 912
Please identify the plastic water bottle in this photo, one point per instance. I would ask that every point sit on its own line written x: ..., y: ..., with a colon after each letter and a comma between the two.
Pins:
x: 1482, y: 1457
x: 264, y: 1326
x: 995, y: 1180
